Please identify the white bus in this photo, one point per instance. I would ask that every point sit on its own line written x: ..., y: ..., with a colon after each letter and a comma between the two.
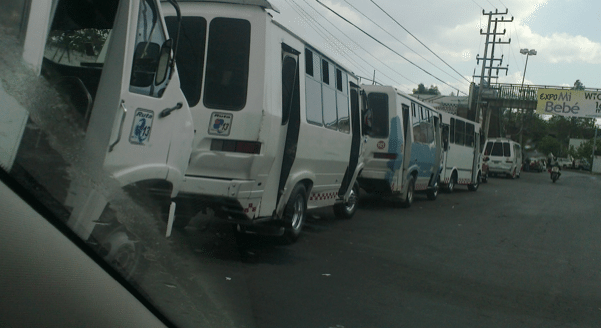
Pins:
x: 461, y: 152
x: 111, y: 62
x: 277, y: 121
x: 403, y: 145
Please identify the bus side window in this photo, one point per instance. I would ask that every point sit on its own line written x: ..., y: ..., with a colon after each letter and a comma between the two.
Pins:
x: 313, y: 94
x: 309, y: 62
x: 469, y: 135
x: 290, y: 87
x: 459, y: 132
x: 325, y: 72
x: 445, y: 137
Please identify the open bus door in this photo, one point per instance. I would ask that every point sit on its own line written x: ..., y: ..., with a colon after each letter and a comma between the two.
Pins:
x: 355, y: 143
x: 140, y: 126
x: 290, y: 114
x: 408, y: 137
x: 438, y: 159
x: 477, y: 157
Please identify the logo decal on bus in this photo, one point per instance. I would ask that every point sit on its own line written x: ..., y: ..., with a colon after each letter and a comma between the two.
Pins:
x: 220, y: 124
x: 381, y: 144
x: 141, y: 127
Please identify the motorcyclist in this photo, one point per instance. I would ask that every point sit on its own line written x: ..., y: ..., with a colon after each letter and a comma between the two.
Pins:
x: 552, y: 161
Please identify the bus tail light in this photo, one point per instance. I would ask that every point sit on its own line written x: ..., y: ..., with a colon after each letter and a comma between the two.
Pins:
x: 385, y: 155
x: 247, y: 147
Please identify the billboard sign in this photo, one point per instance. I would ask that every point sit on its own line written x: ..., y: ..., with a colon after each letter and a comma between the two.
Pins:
x: 570, y: 103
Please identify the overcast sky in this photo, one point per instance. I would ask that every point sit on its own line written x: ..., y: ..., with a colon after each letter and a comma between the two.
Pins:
x: 565, y: 33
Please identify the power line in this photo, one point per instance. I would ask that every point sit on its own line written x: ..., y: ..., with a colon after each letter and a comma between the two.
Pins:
x: 491, y: 4
x: 387, y: 47
x: 399, y: 24
x: 361, y: 47
x: 401, y: 42
x: 478, y: 4
x: 310, y: 19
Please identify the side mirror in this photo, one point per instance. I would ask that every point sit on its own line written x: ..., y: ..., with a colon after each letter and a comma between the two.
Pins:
x: 485, y: 159
x: 164, y: 61
x: 146, y: 60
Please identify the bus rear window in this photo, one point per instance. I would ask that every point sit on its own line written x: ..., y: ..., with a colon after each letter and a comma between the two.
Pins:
x: 506, y: 149
x: 378, y: 104
x: 497, y: 149
x: 227, y: 64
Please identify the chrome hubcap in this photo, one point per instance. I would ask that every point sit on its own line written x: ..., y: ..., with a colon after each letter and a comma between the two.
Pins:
x: 298, y: 212
x: 352, y: 201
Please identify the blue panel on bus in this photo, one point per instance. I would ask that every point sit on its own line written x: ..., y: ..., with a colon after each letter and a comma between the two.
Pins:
x: 395, y: 143
x: 423, y: 155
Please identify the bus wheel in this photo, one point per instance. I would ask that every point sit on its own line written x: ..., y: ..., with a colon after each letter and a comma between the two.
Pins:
x: 295, y: 214
x: 123, y: 252
x: 433, y: 192
x: 410, y: 191
x: 474, y: 186
x: 451, y: 184
x: 348, y: 209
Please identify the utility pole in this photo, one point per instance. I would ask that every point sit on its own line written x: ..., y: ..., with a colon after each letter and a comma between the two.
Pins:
x: 484, y: 79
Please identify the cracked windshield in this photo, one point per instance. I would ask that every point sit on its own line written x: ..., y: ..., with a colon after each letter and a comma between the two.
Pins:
x: 314, y: 163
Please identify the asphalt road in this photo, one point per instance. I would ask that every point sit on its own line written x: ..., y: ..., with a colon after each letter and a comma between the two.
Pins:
x: 515, y: 253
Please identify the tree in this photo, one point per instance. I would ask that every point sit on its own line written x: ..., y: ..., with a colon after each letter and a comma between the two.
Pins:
x: 422, y: 90
x: 578, y: 85
x: 586, y: 150
x: 549, y: 145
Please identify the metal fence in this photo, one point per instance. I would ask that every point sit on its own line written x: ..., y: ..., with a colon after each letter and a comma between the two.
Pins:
x: 525, y: 92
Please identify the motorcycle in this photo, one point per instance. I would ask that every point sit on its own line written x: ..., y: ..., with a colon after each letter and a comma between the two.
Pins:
x: 554, y: 171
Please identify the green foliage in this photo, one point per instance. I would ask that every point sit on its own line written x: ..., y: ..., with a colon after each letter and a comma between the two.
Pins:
x: 578, y: 85
x: 586, y: 150
x: 548, y: 144
x: 422, y: 90
x: 77, y: 40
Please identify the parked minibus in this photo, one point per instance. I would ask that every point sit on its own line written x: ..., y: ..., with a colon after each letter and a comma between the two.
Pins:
x: 403, y: 145
x: 277, y: 121
x: 110, y: 105
x: 461, y: 159
x: 505, y: 157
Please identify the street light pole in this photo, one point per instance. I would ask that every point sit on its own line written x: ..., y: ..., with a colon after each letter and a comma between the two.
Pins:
x: 528, y: 53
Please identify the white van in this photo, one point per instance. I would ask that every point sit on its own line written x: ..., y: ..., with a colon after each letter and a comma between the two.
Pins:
x: 402, y: 147
x: 277, y: 121
x: 505, y: 157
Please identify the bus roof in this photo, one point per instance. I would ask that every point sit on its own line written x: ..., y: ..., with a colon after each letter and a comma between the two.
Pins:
x: 261, y: 3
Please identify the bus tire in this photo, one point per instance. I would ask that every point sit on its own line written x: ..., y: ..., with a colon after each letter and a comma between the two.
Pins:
x: 406, y: 203
x: 433, y: 192
x: 348, y: 209
x: 295, y: 214
x: 474, y: 186
x: 452, y: 182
